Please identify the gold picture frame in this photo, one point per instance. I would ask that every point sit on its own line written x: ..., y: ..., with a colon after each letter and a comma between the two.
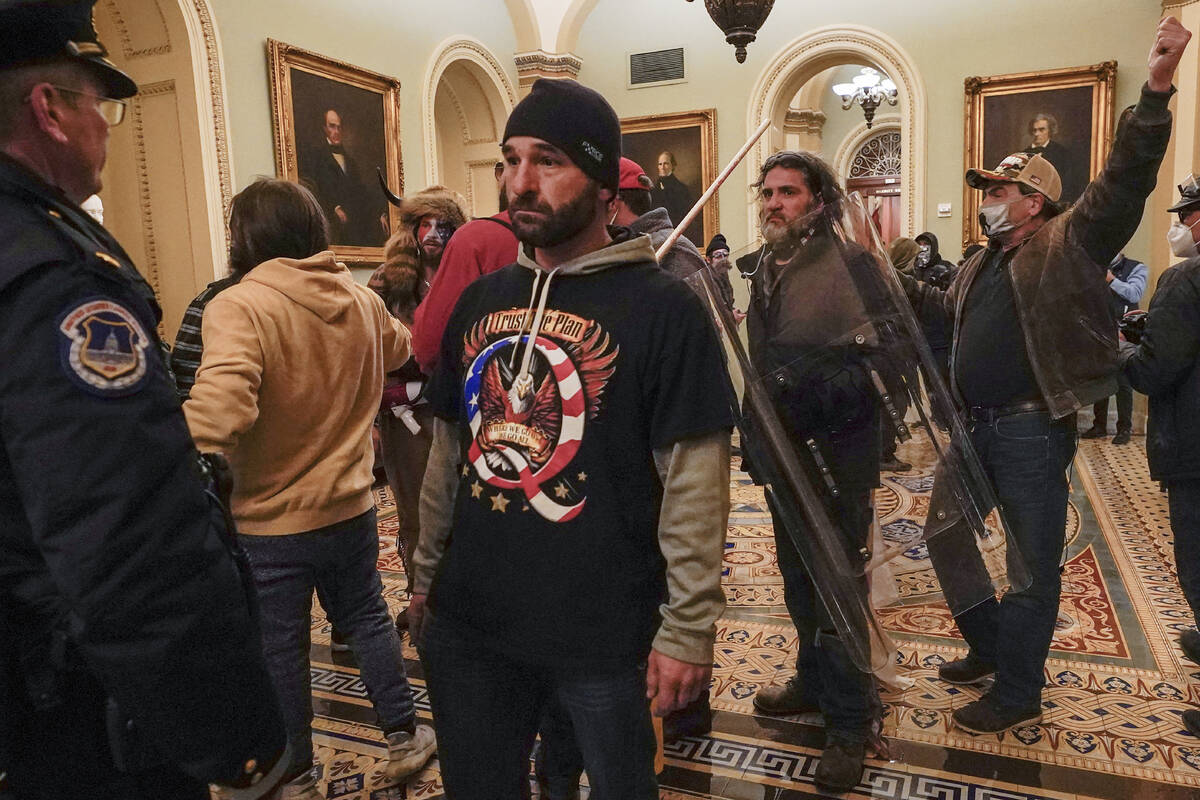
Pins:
x: 306, y: 88
x: 691, y: 137
x: 1001, y: 112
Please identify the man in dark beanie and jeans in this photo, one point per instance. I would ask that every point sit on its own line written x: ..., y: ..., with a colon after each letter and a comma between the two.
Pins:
x: 581, y: 458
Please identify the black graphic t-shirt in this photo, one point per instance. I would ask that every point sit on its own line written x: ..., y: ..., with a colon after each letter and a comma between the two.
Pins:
x: 553, y: 554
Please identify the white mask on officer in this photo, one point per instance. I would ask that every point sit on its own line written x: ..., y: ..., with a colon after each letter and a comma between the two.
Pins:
x: 1179, y: 236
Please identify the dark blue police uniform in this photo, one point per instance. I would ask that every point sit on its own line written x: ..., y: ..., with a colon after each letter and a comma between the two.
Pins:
x: 131, y: 664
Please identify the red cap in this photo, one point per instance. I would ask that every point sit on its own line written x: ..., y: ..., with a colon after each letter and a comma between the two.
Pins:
x: 633, y: 176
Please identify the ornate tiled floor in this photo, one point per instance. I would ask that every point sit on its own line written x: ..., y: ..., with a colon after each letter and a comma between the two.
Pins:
x: 1116, y: 679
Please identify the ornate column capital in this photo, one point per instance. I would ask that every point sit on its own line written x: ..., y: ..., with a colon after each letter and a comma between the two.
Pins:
x: 804, y: 121
x: 536, y: 64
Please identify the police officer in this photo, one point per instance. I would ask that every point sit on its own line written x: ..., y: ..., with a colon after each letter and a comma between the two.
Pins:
x: 130, y: 665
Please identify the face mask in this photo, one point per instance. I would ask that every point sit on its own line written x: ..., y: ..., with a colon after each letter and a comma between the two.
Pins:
x: 993, y: 219
x: 1180, y: 238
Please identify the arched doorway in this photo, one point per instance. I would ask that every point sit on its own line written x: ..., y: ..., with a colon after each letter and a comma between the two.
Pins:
x: 807, y: 57
x: 466, y: 103
x: 167, y: 182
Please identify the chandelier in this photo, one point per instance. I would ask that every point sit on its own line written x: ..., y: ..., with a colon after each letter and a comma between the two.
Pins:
x: 869, y: 89
x: 739, y: 20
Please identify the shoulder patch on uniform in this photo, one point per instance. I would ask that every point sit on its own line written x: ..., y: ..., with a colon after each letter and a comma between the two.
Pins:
x: 103, y: 347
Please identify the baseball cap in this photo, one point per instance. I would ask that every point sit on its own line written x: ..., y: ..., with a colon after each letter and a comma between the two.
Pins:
x: 1030, y: 169
x: 633, y: 176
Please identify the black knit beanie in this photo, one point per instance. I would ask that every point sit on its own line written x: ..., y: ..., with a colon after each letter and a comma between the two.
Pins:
x: 575, y: 119
x: 718, y: 243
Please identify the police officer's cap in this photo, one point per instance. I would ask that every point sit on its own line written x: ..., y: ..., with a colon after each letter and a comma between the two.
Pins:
x: 1189, y: 195
x: 33, y: 31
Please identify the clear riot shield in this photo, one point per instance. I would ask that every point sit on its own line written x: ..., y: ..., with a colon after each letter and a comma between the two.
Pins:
x: 787, y: 476
x: 845, y: 353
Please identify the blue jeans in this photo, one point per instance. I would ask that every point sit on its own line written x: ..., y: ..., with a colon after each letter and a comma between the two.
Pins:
x: 487, y: 707
x: 847, y: 696
x: 340, y: 560
x: 1183, y: 500
x: 1026, y: 457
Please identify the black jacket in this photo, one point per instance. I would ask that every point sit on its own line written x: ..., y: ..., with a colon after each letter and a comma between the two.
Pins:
x: 1166, y: 366
x: 113, y: 557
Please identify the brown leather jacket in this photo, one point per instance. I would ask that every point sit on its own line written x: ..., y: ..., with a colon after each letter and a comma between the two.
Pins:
x: 1058, y: 272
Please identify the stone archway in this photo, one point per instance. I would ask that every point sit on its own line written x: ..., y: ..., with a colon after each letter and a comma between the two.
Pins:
x: 465, y: 102
x: 168, y: 181
x: 807, y: 56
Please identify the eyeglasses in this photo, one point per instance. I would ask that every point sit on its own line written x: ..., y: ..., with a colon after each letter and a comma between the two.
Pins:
x: 113, y: 111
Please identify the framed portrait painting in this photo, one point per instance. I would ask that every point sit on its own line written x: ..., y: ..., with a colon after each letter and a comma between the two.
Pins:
x: 336, y: 129
x: 679, y: 153
x: 1066, y: 115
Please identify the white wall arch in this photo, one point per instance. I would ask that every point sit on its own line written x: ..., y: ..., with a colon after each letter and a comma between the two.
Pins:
x: 857, y: 137
x: 453, y: 50
x: 215, y: 151
x: 802, y: 59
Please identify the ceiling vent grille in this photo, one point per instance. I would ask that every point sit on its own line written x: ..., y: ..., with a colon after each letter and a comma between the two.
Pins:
x: 659, y: 66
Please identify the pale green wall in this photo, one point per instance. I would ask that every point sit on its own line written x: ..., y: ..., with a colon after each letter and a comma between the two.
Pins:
x: 946, y: 39
x: 393, y: 37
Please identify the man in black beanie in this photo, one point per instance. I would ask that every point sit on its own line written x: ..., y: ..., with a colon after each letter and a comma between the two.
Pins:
x: 581, y: 457
x: 717, y: 256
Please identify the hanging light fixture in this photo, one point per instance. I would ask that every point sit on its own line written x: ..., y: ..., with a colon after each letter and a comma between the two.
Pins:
x: 869, y: 89
x: 739, y: 20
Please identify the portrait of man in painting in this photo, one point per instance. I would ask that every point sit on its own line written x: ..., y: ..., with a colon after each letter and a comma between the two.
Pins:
x: 340, y: 143
x: 673, y: 158
x: 1057, y: 123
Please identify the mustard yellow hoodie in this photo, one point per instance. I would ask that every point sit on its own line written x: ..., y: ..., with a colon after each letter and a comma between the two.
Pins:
x: 288, y: 385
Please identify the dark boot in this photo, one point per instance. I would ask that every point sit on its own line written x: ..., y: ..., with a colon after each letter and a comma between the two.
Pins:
x: 984, y: 716
x: 966, y: 670
x: 1189, y: 640
x: 841, y: 766
x: 788, y: 698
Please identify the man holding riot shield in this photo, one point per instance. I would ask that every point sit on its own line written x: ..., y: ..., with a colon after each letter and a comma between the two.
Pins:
x: 1032, y: 343
x: 803, y: 294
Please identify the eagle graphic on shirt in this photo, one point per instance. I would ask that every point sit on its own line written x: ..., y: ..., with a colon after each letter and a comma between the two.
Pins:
x: 529, y: 402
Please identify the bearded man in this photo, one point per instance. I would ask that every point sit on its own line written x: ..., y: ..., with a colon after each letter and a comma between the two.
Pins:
x: 788, y: 336
x: 581, y: 457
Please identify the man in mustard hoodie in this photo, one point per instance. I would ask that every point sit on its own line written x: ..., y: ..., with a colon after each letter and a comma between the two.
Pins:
x: 288, y: 386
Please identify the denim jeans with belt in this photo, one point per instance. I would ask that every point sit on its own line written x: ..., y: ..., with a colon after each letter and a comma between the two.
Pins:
x: 1026, y: 457
x: 487, y: 707
x: 340, y: 560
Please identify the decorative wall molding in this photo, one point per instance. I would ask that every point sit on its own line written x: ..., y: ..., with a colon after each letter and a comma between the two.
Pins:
x: 536, y: 64
x: 806, y: 56
x: 857, y: 137
x: 804, y: 121
x: 208, y: 74
x: 454, y: 49
x: 127, y: 48
x: 149, y: 267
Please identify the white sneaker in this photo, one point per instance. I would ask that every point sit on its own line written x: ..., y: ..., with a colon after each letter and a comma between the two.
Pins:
x: 408, y: 752
x: 302, y: 787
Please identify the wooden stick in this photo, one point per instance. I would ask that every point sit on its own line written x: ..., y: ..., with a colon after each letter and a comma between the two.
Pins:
x: 704, y: 198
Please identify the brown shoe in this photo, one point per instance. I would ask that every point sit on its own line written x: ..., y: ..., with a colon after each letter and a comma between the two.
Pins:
x: 787, y: 698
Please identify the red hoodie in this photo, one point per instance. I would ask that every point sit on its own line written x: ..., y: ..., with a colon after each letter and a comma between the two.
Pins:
x: 477, y: 248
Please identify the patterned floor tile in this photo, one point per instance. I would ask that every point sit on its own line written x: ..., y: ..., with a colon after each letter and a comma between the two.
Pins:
x: 1116, y: 680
